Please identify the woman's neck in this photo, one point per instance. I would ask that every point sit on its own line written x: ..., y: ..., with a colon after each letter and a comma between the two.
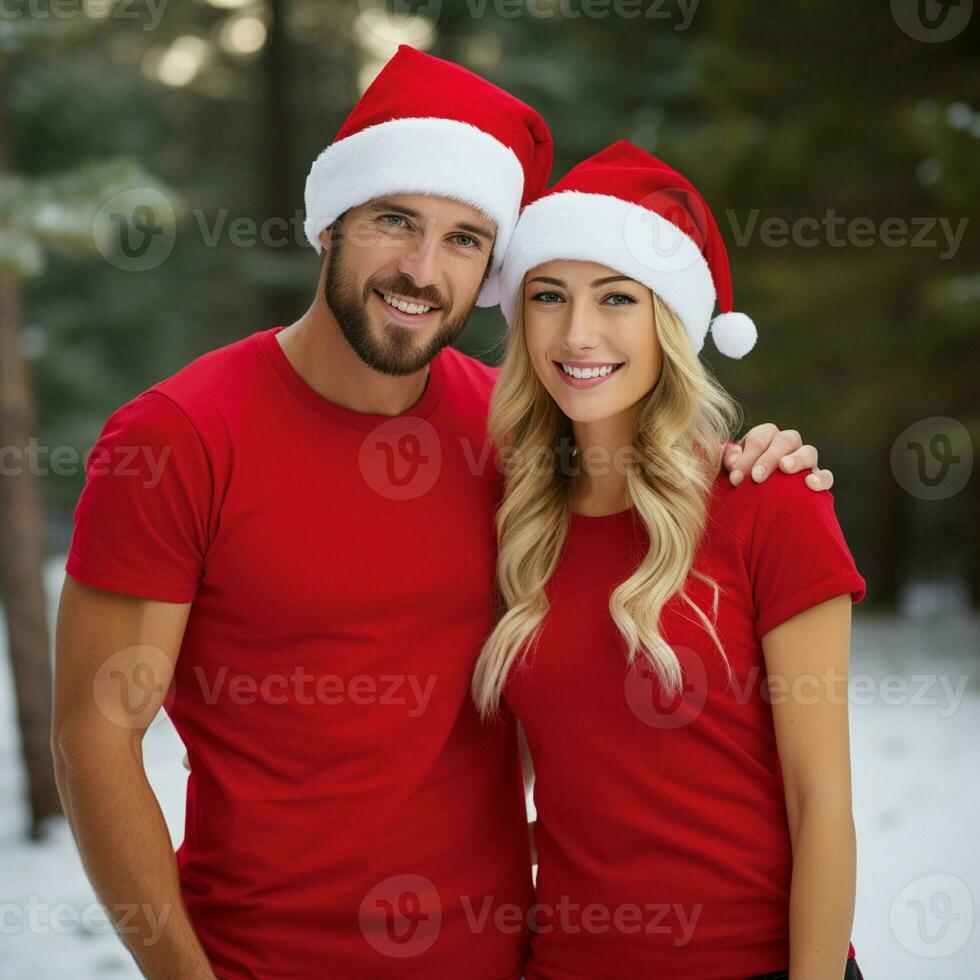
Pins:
x: 605, y: 451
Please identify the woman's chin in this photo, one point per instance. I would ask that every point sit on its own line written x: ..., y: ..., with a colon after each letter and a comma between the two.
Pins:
x: 578, y: 409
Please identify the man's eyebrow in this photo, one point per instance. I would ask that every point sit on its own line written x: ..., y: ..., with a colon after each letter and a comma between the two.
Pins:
x: 378, y: 206
x: 481, y: 231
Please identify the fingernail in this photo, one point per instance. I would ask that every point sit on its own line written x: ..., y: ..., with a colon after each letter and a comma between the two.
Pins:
x: 736, y: 477
x: 758, y: 472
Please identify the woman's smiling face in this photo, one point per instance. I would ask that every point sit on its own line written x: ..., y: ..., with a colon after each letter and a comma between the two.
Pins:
x: 585, y: 319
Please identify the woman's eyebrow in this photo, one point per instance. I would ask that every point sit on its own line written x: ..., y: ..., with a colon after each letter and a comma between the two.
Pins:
x: 602, y: 282
x: 592, y: 285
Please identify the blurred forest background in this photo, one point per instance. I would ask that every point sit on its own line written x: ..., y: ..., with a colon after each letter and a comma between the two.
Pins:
x: 213, y: 112
x: 838, y: 144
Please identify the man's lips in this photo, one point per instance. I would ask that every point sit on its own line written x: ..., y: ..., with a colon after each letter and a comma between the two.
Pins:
x: 400, y: 316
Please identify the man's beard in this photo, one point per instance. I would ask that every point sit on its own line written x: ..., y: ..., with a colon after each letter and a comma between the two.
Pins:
x: 397, y: 352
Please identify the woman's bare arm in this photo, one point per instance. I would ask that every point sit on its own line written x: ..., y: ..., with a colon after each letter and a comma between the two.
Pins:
x: 807, y: 662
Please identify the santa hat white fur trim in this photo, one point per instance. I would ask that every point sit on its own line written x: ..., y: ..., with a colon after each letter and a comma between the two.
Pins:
x: 627, y: 237
x: 441, y: 157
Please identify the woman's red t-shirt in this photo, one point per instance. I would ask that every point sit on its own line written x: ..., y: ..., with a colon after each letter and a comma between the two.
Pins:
x: 663, y: 842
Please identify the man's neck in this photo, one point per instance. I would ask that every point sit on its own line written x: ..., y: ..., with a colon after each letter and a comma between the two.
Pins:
x: 321, y: 356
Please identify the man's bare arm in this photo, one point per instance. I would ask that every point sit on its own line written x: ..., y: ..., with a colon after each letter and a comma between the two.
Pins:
x: 115, y: 656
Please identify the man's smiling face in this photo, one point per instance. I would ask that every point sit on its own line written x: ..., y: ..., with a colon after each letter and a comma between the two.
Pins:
x: 403, y: 276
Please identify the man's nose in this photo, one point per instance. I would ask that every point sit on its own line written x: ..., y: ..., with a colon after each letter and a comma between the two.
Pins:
x: 420, y: 261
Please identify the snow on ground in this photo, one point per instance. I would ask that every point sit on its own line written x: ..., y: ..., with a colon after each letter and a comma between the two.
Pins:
x: 915, y: 735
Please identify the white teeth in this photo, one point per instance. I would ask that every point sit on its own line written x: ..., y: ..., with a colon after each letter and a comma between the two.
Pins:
x: 589, y: 372
x: 400, y: 304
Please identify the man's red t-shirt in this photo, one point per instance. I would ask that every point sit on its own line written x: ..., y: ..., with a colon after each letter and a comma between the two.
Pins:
x: 347, y: 813
x: 663, y: 841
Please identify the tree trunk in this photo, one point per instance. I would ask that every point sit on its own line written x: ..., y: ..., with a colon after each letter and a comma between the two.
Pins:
x: 282, y: 189
x: 21, y: 553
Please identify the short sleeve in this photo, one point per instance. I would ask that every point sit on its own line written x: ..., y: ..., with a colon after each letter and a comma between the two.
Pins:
x: 141, y: 523
x: 798, y: 557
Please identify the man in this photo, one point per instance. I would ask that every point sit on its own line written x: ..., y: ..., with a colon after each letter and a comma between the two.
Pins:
x: 289, y: 545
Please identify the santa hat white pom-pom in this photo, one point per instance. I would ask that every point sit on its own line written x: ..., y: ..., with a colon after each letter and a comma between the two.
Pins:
x: 734, y: 334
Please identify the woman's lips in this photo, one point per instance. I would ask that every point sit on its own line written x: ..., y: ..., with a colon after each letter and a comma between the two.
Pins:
x: 582, y: 382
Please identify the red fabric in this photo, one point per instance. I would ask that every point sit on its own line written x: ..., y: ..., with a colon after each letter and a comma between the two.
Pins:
x: 414, y: 84
x: 306, y: 568
x: 674, y: 809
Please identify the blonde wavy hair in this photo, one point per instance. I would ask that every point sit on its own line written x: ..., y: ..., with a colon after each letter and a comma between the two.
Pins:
x: 678, y: 440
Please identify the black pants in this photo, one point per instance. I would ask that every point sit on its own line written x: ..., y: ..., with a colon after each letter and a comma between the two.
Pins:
x: 851, y: 972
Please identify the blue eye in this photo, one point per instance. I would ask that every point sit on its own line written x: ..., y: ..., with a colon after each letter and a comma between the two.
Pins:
x: 547, y: 297
x: 394, y: 220
x: 622, y: 296
x: 468, y: 241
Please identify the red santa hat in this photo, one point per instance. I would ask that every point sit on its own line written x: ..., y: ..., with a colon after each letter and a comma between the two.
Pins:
x: 428, y: 126
x: 628, y: 210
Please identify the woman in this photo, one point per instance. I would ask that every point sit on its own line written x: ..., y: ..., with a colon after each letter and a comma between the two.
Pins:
x: 675, y: 649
